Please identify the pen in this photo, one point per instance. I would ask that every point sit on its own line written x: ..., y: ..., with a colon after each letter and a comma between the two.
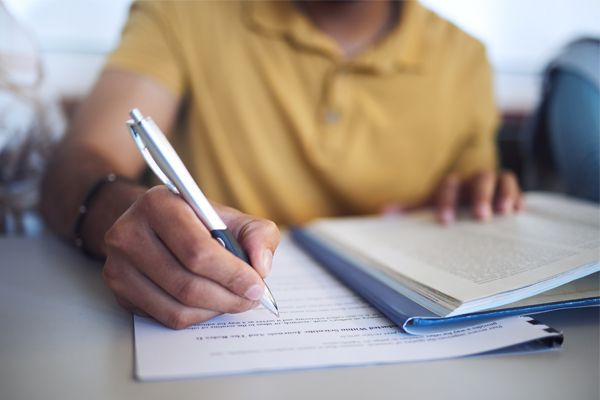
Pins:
x: 166, y: 164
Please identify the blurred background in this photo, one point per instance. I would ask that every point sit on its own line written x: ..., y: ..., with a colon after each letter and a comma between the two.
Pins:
x: 521, y: 37
x: 72, y: 38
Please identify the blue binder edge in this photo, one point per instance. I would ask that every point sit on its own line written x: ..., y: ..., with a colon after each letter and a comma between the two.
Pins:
x: 412, y: 317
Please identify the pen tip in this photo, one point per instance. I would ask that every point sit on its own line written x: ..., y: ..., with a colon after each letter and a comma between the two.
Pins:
x: 277, y: 314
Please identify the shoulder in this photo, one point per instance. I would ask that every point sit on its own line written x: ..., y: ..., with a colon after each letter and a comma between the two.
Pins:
x: 188, y: 14
x: 456, y: 59
x: 442, y: 39
x: 188, y: 27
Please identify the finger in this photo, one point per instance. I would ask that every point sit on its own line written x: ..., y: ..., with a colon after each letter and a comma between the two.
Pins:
x: 133, y: 288
x: 191, y: 244
x: 508, y: 193
x: 258, y: 236
x: 391, y: 209
x: 131, y: 308
x: 482, y: 194
x: 447, y: 199
x: 521, y: 205
x: 158, y: 264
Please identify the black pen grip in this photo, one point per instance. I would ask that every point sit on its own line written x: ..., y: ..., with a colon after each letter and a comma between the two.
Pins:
x: 229, y: 241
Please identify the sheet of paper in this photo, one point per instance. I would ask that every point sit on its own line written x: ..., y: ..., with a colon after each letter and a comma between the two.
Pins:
x: 323, y: 324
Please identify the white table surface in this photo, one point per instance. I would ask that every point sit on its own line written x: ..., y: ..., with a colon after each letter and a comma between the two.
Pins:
x: 63, y: 336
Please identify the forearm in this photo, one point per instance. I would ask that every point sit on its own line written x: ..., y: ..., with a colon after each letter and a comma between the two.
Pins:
x: 96, y: 145
x: 69, y: 179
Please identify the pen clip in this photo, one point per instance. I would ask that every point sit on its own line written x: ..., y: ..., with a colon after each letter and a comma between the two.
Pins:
x: 131, y: 125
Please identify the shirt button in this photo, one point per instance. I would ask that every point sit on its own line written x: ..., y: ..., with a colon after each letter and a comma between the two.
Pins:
x: 332, y: 117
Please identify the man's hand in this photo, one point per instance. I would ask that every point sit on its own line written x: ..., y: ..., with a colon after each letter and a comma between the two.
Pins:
x: 162, y: 261
x: 487, y: 192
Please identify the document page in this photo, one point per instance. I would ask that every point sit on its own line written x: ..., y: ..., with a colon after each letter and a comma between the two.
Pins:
x: 323, y: 324
x: 470, y: 260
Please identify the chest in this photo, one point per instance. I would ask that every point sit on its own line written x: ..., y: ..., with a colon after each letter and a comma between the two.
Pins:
x: 352, y: 127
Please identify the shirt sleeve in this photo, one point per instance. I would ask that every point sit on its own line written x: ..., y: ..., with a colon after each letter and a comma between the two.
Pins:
x: 479, y: 151
x: 150, y: 46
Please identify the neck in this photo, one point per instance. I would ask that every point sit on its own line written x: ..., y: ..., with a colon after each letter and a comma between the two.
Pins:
x: 354, y: 25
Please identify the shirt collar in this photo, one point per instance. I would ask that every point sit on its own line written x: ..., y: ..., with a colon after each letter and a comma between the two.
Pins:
x: 399, y: 50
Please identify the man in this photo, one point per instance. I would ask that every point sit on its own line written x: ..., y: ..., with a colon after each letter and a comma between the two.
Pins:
x: 284, y: 110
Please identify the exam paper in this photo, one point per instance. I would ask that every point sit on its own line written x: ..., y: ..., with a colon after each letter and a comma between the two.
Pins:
x: 322, y: 324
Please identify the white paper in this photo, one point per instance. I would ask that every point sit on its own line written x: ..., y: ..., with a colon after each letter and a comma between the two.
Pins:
x: 322, y: 324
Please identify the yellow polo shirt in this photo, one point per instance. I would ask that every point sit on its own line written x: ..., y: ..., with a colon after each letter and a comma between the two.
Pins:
x: 278, y: 123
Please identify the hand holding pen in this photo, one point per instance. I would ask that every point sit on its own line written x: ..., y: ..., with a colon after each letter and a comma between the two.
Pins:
x: 166, y: 164
x: 163, y: 262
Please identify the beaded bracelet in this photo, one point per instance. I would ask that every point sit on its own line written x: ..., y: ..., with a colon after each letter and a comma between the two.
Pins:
x: 83, y: 209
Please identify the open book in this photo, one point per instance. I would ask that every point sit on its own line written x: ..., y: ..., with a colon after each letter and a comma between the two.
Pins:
x: 427, y: 277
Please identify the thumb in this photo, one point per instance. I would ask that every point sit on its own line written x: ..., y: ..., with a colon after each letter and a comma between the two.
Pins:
x: 259, y: 237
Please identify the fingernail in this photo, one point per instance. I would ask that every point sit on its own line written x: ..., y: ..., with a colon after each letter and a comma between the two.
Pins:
x: 267, y: 261
x: 255, y: 292
x: 483, y: 211
x: 448, y: 216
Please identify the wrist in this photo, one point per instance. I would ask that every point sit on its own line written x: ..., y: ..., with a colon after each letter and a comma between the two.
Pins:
x: 107, y: 200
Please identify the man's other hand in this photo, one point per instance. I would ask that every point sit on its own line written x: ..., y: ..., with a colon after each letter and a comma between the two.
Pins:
x: 486, y: 193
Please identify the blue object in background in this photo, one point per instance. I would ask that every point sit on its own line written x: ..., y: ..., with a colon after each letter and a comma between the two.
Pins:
x: 573, y: 125
x: 564, y: 135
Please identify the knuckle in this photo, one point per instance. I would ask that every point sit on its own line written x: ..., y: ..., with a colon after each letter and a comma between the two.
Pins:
x: 272, y: 230
x: 156, y: 192
x: 196, y: 257
x: 111, y: 274
x: 190, y: 291
x: 239, y: 306
x: 178, y: 319
x: 125, y: 235
x: 270, y: 226
x: 247, y: 229
x: 115, y: 237
x: 260, y: 228
x: 147, y: 203
x: 237, y: 279
x: 151, y: 201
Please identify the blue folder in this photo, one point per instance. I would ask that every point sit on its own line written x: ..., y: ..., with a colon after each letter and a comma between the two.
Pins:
x: 409, y: 315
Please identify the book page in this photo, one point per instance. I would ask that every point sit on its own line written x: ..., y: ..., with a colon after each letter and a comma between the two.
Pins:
x: 583, y: 288
x: 471, y: 260
x: 560, y: 207
x: 323, y: 324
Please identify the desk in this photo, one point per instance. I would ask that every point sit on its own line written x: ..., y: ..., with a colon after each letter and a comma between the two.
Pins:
x: 63, y: 336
